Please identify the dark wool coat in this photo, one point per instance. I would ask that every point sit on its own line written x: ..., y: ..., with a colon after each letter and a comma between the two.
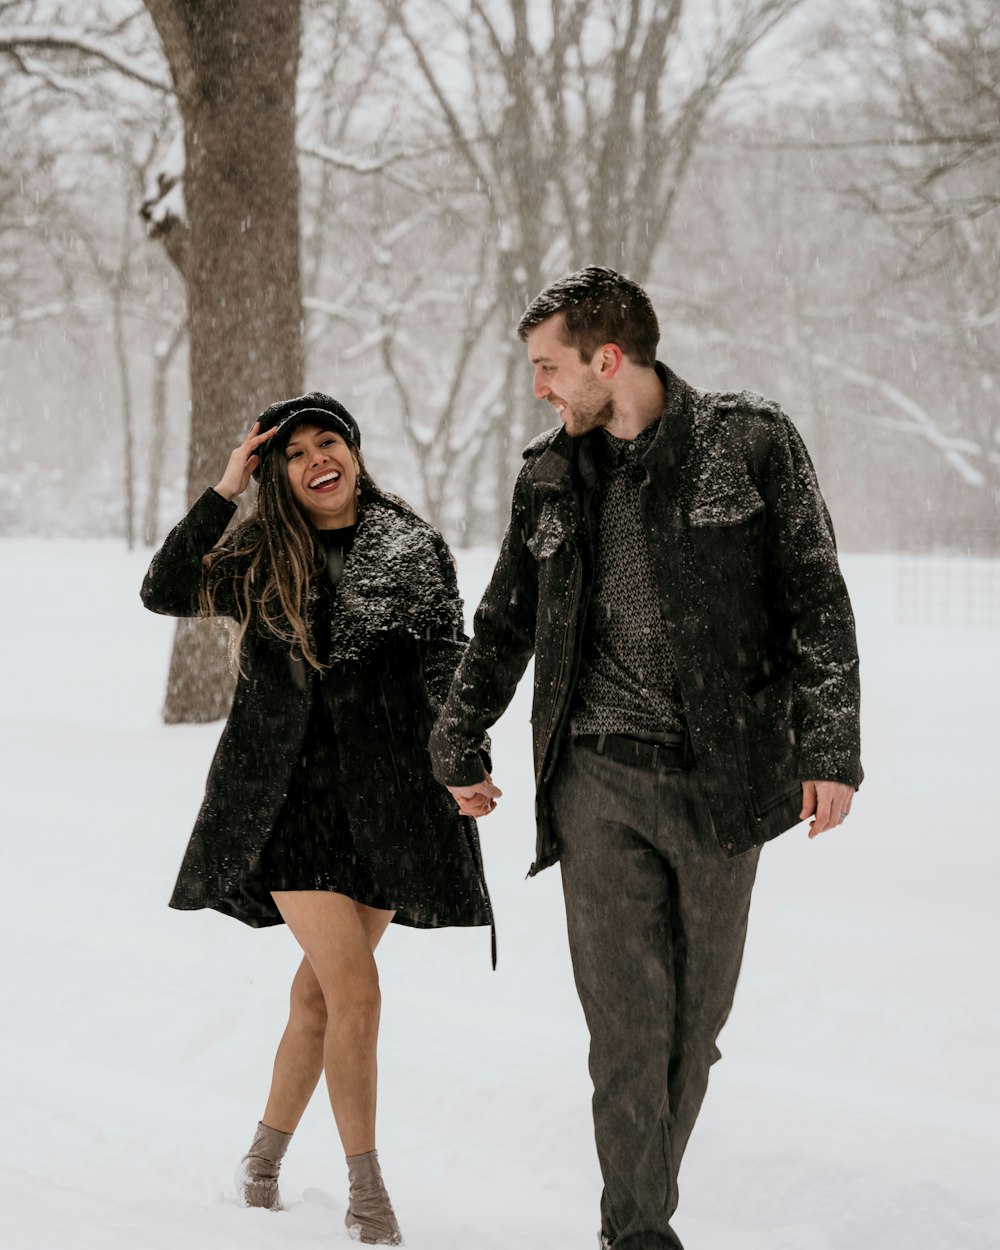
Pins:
x: 396, y: 639
x: 753, y: 601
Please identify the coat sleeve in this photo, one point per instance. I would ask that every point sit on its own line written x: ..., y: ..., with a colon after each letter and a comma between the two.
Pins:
x: 172, y: 581
x: 811, y: 596
x: 502, y: 643
x: 446, y: 646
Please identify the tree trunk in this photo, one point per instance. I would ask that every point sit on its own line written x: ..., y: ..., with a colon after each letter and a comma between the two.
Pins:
x: 163, y: 355
x: 234, y: 67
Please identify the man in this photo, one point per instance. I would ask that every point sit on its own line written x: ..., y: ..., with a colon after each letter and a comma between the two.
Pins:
x: 671, y: 566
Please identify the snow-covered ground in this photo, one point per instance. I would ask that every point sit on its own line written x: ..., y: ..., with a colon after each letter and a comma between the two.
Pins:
x: 856, y: 1107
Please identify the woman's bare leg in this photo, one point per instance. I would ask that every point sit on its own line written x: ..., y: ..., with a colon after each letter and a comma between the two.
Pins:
x: 298, y: 1064
x: 333, y: 1023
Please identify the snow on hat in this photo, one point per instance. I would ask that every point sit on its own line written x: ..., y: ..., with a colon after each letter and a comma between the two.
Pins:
x: 312, y: 409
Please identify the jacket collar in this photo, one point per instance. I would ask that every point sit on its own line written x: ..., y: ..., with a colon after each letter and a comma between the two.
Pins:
x: 555, y: 470
x: 394, y: 582
x: 673, y: 439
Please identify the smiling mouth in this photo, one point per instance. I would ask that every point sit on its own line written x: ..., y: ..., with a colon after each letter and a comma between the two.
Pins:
x: 326, y: 479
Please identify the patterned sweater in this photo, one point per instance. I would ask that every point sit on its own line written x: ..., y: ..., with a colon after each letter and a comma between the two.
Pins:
x: 628, y: 676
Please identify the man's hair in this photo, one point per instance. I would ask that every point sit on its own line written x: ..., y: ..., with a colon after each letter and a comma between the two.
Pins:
x: 600, y: 306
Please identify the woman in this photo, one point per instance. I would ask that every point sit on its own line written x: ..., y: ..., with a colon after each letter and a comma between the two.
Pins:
x: 320, y: 808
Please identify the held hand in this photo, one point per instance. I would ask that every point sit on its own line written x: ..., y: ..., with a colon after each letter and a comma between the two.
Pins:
x: 477, y: 800
x: 828, y: 802
x: 242, y: 463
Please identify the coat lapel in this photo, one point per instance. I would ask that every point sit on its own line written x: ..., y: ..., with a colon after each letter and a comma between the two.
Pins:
x: 393, y: 584
x: 563, y: 479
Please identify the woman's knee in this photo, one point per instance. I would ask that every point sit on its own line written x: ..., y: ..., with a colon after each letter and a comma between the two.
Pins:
x: 308, y: 1005
x: 355, y: 994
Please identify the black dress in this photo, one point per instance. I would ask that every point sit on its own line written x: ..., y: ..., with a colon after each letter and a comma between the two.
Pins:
x: 311, y: 847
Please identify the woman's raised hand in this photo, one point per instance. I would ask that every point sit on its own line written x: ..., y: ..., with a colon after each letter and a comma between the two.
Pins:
x: 242, y: 463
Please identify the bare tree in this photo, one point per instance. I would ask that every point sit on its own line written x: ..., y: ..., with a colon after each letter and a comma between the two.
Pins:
x: 234, y: 71
x: 575, y: 122
x: 223, y: 197
x: 73, y: 189
x: 934, y: 84
x: 778, y: 283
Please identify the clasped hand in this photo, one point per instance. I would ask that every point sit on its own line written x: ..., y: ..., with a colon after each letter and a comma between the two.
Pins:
x: 478, y: 800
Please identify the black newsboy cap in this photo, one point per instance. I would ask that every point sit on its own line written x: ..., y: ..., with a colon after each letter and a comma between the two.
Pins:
x: 312, y: 409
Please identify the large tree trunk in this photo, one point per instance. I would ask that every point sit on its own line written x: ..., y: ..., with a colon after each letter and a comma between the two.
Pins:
x: 234, y: 66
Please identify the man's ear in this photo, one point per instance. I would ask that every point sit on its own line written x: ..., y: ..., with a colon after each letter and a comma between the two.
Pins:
x: 608, y: 359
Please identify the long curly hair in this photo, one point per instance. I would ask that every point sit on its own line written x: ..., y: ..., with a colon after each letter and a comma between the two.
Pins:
x: 270, y: 560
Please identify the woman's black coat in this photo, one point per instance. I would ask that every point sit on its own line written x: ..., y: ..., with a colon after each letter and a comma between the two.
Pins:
x: 396, y: 638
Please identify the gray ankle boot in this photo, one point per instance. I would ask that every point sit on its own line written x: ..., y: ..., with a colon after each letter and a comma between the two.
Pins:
x: 257, y: 1174
x: 370, y: 1218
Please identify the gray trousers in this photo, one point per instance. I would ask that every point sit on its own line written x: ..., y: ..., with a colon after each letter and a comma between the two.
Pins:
x: 657, y: 917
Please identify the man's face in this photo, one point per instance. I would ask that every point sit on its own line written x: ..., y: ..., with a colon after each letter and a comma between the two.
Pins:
x: 582, y: 398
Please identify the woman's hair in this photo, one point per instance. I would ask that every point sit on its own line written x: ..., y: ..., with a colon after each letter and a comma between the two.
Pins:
x: 271, y: 558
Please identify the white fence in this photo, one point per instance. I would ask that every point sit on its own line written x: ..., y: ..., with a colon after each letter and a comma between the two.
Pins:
x: 947, y: 590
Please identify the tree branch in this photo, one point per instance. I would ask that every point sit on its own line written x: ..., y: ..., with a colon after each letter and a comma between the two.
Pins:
x: 462, y: 140
x: 954, y: 451
x: 75, y: 39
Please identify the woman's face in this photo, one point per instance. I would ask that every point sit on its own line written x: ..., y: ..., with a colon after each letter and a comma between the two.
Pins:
x: 323, y: 476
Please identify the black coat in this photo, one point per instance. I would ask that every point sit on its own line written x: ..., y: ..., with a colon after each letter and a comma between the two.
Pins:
x: 752, y: 598
x: 396, y: 637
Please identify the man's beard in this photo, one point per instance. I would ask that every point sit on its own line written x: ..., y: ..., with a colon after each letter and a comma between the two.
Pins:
x: 591, y: 415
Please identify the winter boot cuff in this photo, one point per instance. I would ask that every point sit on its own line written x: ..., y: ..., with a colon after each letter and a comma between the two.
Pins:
x: 370, y: 1218
x: 257, y: 1174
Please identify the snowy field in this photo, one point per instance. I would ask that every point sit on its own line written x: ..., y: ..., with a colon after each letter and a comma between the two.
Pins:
x: 856, y: 1107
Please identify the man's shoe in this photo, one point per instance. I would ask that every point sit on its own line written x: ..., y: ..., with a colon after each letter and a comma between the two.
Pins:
x: 257, y: 1174
x: 370, y: 1218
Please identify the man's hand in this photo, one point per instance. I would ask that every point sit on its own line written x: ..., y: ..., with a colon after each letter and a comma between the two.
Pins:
x: 828, y: 802
x: 478, y: 800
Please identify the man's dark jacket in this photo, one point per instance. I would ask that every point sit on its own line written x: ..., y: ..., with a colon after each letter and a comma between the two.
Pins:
x: 752, y: 597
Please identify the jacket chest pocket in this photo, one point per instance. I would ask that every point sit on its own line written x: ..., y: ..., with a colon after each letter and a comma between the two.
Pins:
x: 727, y: 509
x: 726, y: 541
x: 551, y: 532
x: 726, y: 531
